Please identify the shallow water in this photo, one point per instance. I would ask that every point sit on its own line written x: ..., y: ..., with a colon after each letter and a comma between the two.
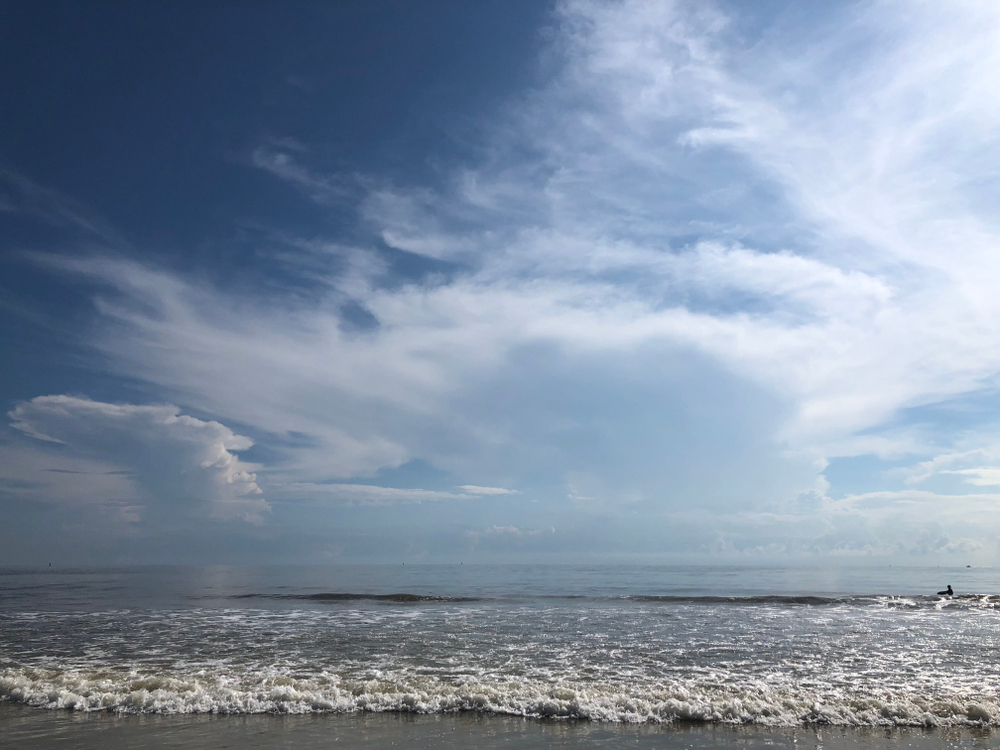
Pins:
x: 39, y: 730
x: 765, y: 647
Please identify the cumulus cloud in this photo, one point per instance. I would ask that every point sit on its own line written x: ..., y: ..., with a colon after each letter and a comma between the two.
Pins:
x: 178, y: 466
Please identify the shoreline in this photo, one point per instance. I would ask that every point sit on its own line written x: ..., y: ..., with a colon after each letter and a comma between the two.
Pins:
x: 42, y: 729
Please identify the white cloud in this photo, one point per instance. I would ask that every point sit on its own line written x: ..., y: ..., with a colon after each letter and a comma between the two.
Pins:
x: 28, y: 197
x: 515, y: 531
x: 981, y: 476
x: 368, y: 494
x: 473, y: 489
x: 962, y: 463
x: 276, y: 160
x: 887, y: 299
x: 177, y: 465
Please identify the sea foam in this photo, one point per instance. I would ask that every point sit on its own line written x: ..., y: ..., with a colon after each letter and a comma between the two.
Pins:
x: 137, y: 692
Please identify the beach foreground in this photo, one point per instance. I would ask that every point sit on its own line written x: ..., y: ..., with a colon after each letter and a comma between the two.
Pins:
x: 34, y: 729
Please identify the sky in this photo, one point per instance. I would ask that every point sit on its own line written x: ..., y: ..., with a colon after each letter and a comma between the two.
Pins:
x: 500, y: 282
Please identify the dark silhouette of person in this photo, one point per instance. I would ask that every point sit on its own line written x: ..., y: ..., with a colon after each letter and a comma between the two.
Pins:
x: 949, y: 592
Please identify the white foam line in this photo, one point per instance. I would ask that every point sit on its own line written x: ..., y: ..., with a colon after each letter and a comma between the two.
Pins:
x: 706, y: 701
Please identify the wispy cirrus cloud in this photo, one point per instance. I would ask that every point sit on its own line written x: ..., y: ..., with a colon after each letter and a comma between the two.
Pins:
x: 982, y: 476
x: 979, y: 466
x: 476, y: 490
x: 278, y: 158
x: 368, y: 494
x: 21, y: 195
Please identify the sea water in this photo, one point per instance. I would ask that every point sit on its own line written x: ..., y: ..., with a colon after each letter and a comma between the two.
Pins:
x: 779, y: 647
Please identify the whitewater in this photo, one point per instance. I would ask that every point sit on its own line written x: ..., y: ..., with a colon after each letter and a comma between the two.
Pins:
x: 618, y: 644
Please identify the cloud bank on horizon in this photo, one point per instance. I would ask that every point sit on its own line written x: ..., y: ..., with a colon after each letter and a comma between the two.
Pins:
x: 713, y: 284
x: 179, y: 464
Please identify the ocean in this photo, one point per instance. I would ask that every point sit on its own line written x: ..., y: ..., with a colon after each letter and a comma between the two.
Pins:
x: 619, y: 652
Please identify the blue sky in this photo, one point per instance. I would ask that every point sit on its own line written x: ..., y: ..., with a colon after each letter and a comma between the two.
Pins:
x: 500, y: 281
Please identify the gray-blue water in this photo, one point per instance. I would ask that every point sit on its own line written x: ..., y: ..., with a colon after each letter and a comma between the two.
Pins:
x: 773, y: 646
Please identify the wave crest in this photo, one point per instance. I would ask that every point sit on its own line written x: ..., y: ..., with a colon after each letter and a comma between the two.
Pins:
x: 138, y: 692
x: 402, y: 598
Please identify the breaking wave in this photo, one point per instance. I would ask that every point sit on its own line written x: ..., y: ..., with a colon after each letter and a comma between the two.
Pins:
x: 138, y: 692
x: 347, y: 597
x: 980, y: 601
x: 987, y: 601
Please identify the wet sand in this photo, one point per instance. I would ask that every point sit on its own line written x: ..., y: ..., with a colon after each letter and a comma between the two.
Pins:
x: 34, y: 729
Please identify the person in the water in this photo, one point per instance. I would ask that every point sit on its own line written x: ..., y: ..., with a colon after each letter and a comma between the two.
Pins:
x: 949, y: 592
